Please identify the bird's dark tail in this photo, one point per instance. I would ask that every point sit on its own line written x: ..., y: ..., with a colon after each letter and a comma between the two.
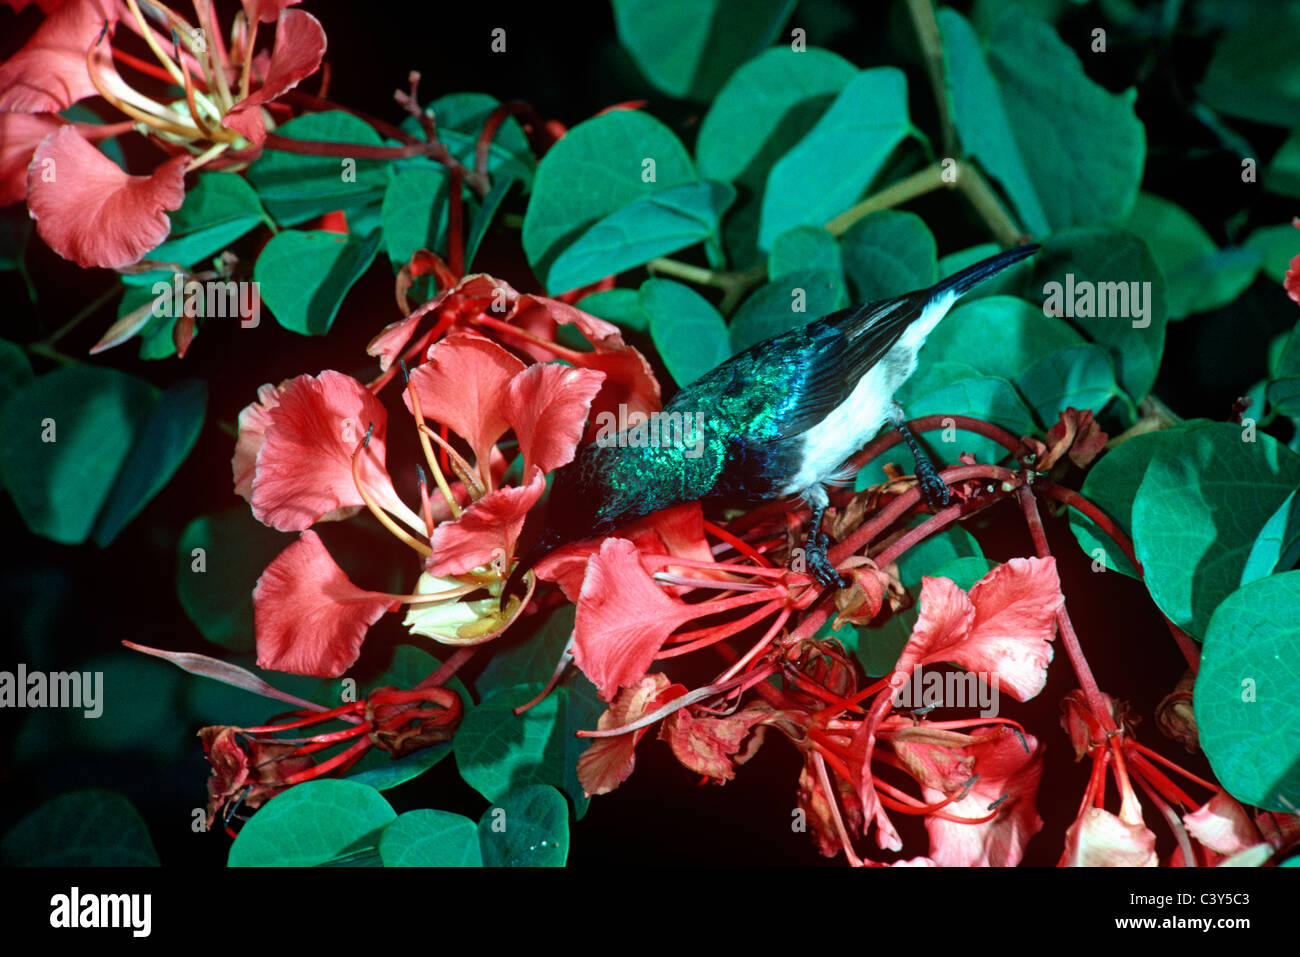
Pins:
x: 970, y: 277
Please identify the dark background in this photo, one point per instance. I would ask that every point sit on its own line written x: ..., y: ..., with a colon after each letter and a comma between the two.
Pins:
x: 63, y: 604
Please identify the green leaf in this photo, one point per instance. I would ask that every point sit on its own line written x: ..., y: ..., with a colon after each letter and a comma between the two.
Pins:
x: 15, y: 369
x: 619, y: 306
x: 828, y: 170
x: 395, y: 771
x: 1203, y: 501
x: 989, y: 398
x: 529, y: 827
x: 887, y: 254
x: 312, y: 823
x: 218, y: 209
x: 1278, y: 245
x: 689, y: 333
x: 91, y: 828
x: 295, y: 187
x: 1081, y: 377
x: 1246, y: 692
x: 215, y: 586
x: 1023, y: 335
x: 1253, y: 74
x: 430, y: 838
x: 461, y: 118
x: 68, y: 436
x: 532, y: 661
x: 415, y: 212
x: 767, y: 106
x: 600, y: 166
x: 1111, y: 484
x: 651, y: 226
x: 1283, y: 172
x: 804, y: 247
x: 1066, y: 151
x: 1198, y: 275
x: 1277, y: 547
x: 1089, y: 274
x: 498, y: 751
x: 304, y: 276
x: 483, y: 218
x: 794, y: 300
x: 165, y: 438
x: 688, y: 48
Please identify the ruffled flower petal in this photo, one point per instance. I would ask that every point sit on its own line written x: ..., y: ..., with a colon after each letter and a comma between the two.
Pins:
x: 462, y: 386
x: 20, y: 134
x: 299, y: 49
x: 486, y: 532
x: 49, y: 73
x: 309, y: 617
x: 612, y: 646
x: 303, y: 469
x: 90, y: 211
x: 1101, y: 839
x: 547, y: 405
x: 608, y: 762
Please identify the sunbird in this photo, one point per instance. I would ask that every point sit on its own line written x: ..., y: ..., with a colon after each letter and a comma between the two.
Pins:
x: 777, y: 420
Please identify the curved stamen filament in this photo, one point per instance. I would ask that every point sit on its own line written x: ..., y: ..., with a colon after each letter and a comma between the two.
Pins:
x: 758, y: 646
x: 429, y: 457
x: 371, y: 504
x: 464, y: 471
x: 146, y: 116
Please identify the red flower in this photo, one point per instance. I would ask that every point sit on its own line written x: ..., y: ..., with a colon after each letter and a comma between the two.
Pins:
x: 608, y: 762
x: 1292, y: 282
x: 87, y: 209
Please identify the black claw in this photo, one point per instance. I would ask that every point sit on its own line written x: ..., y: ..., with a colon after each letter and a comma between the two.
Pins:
x: 815, y: 553
x: 933, y: 490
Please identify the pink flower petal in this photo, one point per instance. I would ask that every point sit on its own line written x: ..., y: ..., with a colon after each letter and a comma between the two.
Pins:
x: 253, y: 421
x: 547, y: 405
x: 49, y: 73
x: 265, y: 11
x: 1100, y: 839
x: 608, y: 762
x: 1008, y: 776
x: 90, y: 211
x: 486, y: 531
x: 463, y: 385
x: 623, y: 618
x: 20, y: 133
x: 472, y: 296
x: 303, y: 469
x: 1222, y: 825
x: 299, y: 49
x: 309, y: 617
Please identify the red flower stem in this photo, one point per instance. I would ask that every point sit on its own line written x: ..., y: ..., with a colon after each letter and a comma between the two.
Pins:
x: 455, y: 224
x: 930, y: 526
x: 1156, y: 756
x: 144, y: 66
x: 493, y: 124
x: 350, y: 708
x: 767, y: 691
x: 739, y: 545
x: 1186, y: 644
x: 817, y: 691
x: 710, y: 636
x: 322, y: 741
x: 453, y: 664
x: 1175, y: 824
x: 339, y: 760
x: 1160, y: 781
x: 1087, y: 683
x: 569, y: 355
x: 833, y: 804
x: 759, y: 645
x: 931, y: 423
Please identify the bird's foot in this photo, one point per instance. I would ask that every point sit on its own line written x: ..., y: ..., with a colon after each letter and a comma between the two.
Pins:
x: 820, y: 565
x: 933, y: 490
